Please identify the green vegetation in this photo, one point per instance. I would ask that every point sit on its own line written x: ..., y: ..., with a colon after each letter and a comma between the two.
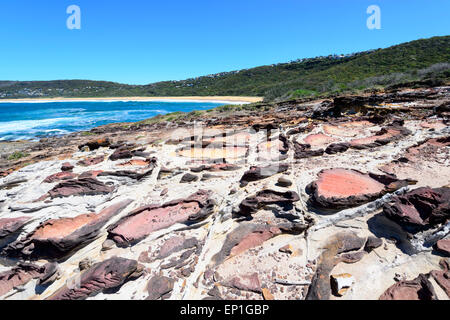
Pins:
x: 17, y: 155
x: 420, y: 60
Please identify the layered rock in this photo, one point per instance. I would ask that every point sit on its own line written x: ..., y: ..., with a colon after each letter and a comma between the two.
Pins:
x: 56, y: 238
x: 141, y: 222
x: 79, y: 187
x: 91, y: 161
x: 63, y: 175
x: 420, y: 208
x: 256, y: 173
x: 418, y: 289
x: 252, y: 204
x: 108, y: 274
x: 343, y: 188
x: 22, y: 274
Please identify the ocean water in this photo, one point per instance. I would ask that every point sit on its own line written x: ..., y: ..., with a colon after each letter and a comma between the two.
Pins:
x: 32, y: 121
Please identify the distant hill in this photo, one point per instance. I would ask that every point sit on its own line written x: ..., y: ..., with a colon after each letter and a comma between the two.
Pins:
x: 424, y: 59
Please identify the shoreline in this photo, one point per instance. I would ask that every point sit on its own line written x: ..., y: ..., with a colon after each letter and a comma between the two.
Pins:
x: 217, y: 99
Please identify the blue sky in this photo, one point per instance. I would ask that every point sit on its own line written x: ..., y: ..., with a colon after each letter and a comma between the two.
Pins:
x: 143, y: 41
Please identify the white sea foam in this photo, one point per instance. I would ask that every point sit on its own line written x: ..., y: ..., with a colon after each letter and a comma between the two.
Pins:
x: 24, y: 125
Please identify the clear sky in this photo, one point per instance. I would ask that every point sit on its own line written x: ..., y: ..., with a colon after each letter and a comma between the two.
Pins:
x: 143, y: 41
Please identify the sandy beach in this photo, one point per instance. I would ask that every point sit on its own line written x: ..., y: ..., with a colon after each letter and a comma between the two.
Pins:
x: 221, y: 99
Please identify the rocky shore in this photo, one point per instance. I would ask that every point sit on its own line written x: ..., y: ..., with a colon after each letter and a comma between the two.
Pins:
x: 342, y: 198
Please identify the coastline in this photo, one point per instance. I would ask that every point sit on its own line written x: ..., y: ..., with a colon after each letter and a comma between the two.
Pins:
x: 219, y: 99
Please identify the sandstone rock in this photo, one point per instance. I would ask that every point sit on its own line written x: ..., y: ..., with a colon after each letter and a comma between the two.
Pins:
x: 95, y: 144
x: 418, y: 289
x: 64, y: 175
x: 246, y: 282
x: 55, y: 239
x: 344, y: 188
x: 372, y: 243
x: 108, y: 274
x: 80, y: 187
x: 337, y: 148
x: 318, y: 139
x: 302, y: 151
x: 9, y: 226
x: 216, y: 167
x: 442, y: 277
x: 420, y: 208
x: 22, y: 274
x: 121, y: 153
x: 265, y: 197
x: 188, y: 177
x: 284, y: 182
x: 135, y: 175
x: 67, y: 166
x: 141, y: 222
x: 443, y: 246
x: 91, y: 161
x: 159, y: 286
x: 250, y: 235
x: 256, y: 173
x: 340, y: 283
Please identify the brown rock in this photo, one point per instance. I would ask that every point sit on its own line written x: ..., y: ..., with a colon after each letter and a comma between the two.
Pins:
x: 258, y: 173
x: 265, y: 197
x: 159, y: 286
x: 417, y: 289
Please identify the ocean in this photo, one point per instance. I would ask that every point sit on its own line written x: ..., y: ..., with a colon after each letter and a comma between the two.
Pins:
x: 32, y: 121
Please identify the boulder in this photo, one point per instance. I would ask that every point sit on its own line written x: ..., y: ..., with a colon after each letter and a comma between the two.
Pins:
x: 188, y: 177
x: 303, y: 151
x: 67, y: 166
x: 442, y: 277
x: 9, y: 226
x: 443, y: 246
x: 418, y: 289
x: 102, y: 276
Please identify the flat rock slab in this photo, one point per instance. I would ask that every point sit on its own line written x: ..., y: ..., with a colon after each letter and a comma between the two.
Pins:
x: 57, y: 238
x: 420, y: 208
x: 214, y: 152
x: 108, y: 274
x: 347, y: 129
x: 342, y: 188
x: 141, y: 222
x: 91, y: 161
x: 320, y: 139
x: 63, y: 175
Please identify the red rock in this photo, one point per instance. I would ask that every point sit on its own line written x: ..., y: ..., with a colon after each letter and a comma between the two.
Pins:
x: 247, y: 282
x: 64, y: 175
x: 421, y: 208
x: 417, y: 289
x: 80, y: 187
x: 265, y: 197
x: 108, y: 274
x: 443, y: 246
x: 442, y: 277
x: 347, y: 129
x: 256, y: 173
x: 319, y: 139
x: 141, y: 222
x: 433, y: 124
x: 342, y: 188
x: 22, y: 274
x: 135, y: 162
x: 91, y: 161
x: 56, y: 238
x: 10, y: 226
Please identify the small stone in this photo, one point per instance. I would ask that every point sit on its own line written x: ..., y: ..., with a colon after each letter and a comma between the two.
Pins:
x: 86, y: 263
x: 188, y: 177
x: 284, y: 182
x: 108, y: 244
x: 372, y: 243
x: 340, y: 283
